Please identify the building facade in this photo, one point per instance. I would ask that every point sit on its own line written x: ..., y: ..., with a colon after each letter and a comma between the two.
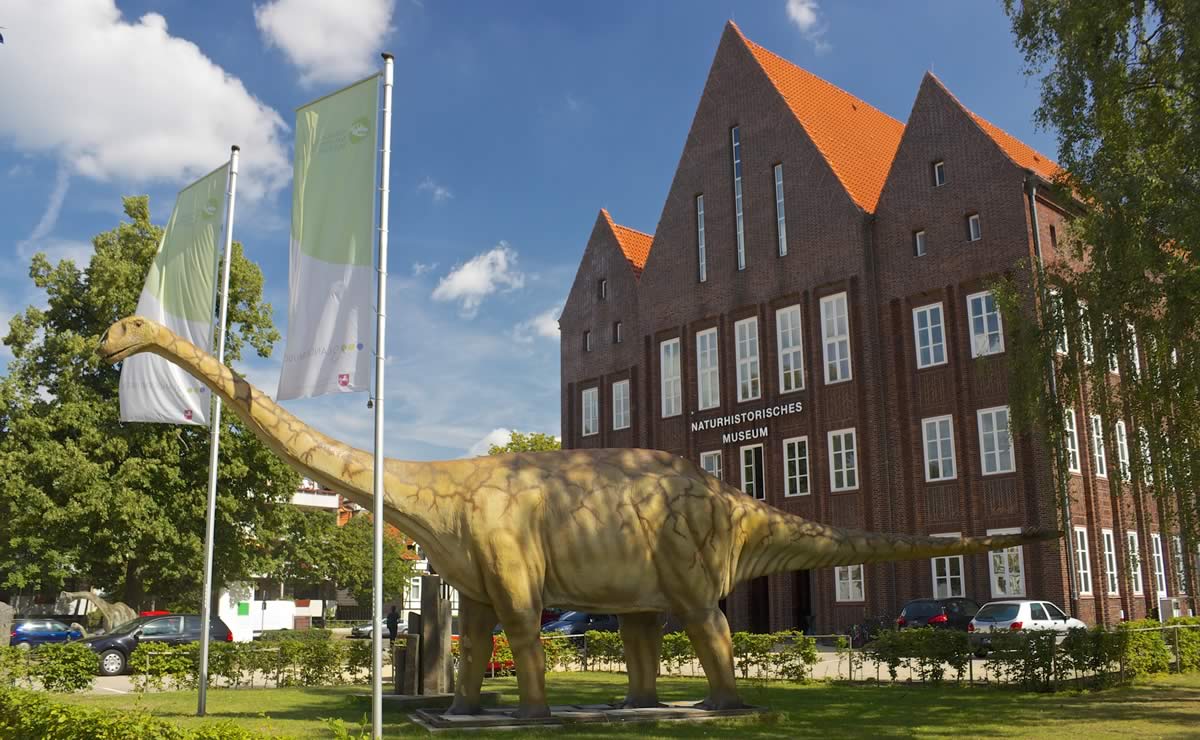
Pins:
x: 811, y: 322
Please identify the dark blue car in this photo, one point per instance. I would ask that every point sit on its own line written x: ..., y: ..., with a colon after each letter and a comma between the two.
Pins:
x: 29, y: 633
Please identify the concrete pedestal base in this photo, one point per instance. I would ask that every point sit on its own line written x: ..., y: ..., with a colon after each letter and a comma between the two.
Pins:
x: 500, y: 718
x: 435, y: 703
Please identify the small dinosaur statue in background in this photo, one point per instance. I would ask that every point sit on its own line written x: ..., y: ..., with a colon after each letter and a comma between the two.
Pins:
x: 623, y: 531
x: 111, y: 615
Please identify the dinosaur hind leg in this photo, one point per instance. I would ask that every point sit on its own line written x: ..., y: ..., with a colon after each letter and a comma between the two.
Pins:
x: 641, y: 635
x: 709, y: 633
x: 475, y: 649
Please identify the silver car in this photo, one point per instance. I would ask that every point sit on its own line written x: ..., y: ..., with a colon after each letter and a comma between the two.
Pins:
x: 1018, y: 614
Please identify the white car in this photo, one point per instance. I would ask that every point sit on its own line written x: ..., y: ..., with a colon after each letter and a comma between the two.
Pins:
x: 1018, y: 614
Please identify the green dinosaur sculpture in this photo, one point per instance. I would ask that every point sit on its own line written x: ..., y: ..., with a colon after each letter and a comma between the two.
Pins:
x: 625, y: 531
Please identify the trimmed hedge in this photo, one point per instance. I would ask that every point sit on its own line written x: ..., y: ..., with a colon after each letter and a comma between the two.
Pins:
x: 788, y: 654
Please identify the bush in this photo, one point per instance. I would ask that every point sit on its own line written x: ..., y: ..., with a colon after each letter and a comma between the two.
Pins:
x: 603, y: 647
x: 795, y: 657
x: 159, y: 666
x: 676, y: 651
x: 1189, y: 642
x: 752, y: 651
x: 64, y: 667
x: 1144, y: 647
x: 315, y: 633
x: 14, y: 666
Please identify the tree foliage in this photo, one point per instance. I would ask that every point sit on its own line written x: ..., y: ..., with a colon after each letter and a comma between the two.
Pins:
x: 521, y: 442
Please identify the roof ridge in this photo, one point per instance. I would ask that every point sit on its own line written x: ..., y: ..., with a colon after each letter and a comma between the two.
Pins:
x: 634, y: 245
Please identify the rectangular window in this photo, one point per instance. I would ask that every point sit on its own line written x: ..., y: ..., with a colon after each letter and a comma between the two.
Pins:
x: 616, y: 337
x: 711, y: 462
x: 1085, y: 332
x: 708, y: 369
x: 1061, y: 346
x: 843, y: 460
x: 737, y: 198
x: 749, y: 386
x: 835, y: 333
x: 672, y: 401
x: 919, y: 243
x: 948, y: 574
x: 1177, y: 559
x: 591, y: 411
x: 791, y: 349
x: 1099, y: 459
x: 995, y: 443
x: 938, y: 434
x: 1134, y: 555
x: 1147, y: 463
x: 1083, y: 567
x: 795, y: 467
x: 700, y: 237
x: 1111, y: 574
x: 939, y: 174
x: 603, y: 289
x: 849, y: 580
x: 974, y: 232
x: 587, y: 341
x: 620, y: 401
x: 780, y: 221
x: 1072, y: 439
x: 754, y: 481
x: 1007, y: 568
x: 1160, y: 568
x: 1122, y: 451
x: 1110, y: 341
x: 930, y: 335
x: 987, y: 329
x: 1135, y: 359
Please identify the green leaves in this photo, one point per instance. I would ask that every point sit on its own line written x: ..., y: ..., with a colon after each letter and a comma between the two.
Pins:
x: 521, y: 442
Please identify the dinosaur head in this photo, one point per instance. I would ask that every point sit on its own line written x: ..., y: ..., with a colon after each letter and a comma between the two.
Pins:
x: 127, y: 337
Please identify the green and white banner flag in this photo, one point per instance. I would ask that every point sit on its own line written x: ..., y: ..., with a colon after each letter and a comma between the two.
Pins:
x: 331, y: 282
x: 179, y: 294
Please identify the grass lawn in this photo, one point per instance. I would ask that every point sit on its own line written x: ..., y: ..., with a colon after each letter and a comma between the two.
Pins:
x: 1163, y: 707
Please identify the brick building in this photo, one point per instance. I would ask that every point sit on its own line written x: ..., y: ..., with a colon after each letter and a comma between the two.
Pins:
x: 811, y: 323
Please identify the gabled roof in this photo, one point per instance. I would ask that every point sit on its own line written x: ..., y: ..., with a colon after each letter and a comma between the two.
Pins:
x: 857, y: 140
x: 634, y: 244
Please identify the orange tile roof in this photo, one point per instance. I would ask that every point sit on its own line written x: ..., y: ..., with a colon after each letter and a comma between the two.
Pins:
x: 1018, y: 151
x: 858, y: 140
x: 634, y: 244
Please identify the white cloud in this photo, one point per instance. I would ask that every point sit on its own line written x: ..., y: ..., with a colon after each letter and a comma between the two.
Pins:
x: 498, y: 436
x: 127, y: 100
x: 331, y: 42
x: 806, y: 16
x: 573, y: 103
x: 545, y: 325
x: 439, y: 193
x: 479, y: 277
x: 420, y: 268
x: 49, y: 219
x: 20, y: 169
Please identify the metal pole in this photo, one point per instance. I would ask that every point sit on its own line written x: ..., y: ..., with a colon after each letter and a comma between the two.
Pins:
x: 214, y: 424
x: 378, y: 488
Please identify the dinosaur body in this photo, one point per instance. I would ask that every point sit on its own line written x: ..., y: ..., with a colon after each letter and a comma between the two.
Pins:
x: 625, y: 531
x: 111, y: 614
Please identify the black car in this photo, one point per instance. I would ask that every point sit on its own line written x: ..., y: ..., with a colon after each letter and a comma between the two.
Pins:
x: 577, y: 623
x: 955, y: 613
x: 115, y: 647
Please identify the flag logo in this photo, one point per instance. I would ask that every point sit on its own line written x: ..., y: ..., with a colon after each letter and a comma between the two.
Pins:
x: 212, y: 208
x: 187, y: 414
x: 359, y: 129
x: 344, y: 380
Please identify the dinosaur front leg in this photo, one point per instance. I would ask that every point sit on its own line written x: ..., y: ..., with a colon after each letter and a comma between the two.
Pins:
x: 515, y: 589
x: 709, y: 632
x: 641, y: 635
x: 475, y: 652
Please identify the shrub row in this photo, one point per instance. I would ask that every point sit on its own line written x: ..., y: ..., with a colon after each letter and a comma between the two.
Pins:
x: 59, y: 667
x: 788, y: 654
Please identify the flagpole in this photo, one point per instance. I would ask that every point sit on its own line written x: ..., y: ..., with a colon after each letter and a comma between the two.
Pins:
x: 378, y: 489
x: 214, y: 423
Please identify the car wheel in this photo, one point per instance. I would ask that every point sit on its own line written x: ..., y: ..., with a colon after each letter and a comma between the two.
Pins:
x: 24, y: 646
x: 112, y: 663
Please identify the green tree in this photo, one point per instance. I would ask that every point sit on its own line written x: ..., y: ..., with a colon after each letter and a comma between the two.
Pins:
x: 121, y: 506
x: 351, y: 562
x: 521, y: 442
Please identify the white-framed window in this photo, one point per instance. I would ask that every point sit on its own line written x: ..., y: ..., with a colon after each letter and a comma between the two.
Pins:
x: 1112, y: 578
x: 737, y: 197
x: 603, y: 289
x: 849, y: 579
x: 754, y: 479
x: 700, y: 238
x: 1122, y: 451
x: 1133, y: 554
x: 616, y: 334
x: 711, y: 462
x: 749, y: 386
x: 948, y: 580
x: 987, y: 327
x: 780, y: 220
x: 835, y: 335
x: 795, y: 467
x: 1099, y: 458
x: 1147, y: 462
x: 791, y: 349
x: 1083, y: 567
x: 672, y: 401
x: 1135, y: 360
x: 587, y: 341
x: 1061, y: 345
x: 938, y: 435
x: 930, y: 335
x: 1007, y: 568
x: 919, y: 243
x: 939, y: 173
x: 1160, y: 567
x: 1071, y: 435
x: 620, y: 402
x: 995, y: 443
x: 1110, y: 332
x: 708, y: 373
x: 843, y: 460
x: 1087, y: 345
x: 591, y: 411
x: 1177, y: 559
x: 974, y: 231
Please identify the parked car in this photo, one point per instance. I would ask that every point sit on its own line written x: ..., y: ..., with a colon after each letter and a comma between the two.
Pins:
x: 954, y: 613
x: 29, y: 633
x: 115, y: 647
x: 577, y: 623
x: 1018, y: 614
x: 363, y: 630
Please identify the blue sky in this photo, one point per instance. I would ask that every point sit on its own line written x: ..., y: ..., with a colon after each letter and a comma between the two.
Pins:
x: 514, y: 123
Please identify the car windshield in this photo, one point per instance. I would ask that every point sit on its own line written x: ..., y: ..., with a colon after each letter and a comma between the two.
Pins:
x: 922, y: 609
x: 998, y: 613
x: 573, y: 617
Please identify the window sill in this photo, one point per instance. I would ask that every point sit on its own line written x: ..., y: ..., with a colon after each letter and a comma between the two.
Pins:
x: 999, y: 473
x: 838, y: 382
x: 934, y: 366
x: 844, y: 490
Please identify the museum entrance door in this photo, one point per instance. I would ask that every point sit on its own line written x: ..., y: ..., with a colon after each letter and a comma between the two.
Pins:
x: 760, y: 606
x: 802, y: 601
